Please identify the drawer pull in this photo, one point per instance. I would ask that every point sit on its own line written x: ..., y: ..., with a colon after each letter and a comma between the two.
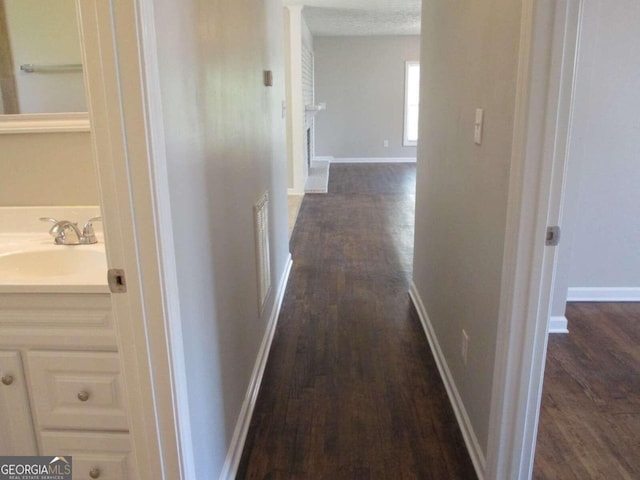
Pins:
x: 83, y: 396
x: 7, y: 379
x: 94, y: 472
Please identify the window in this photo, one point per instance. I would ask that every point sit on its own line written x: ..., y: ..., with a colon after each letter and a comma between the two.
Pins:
x: 411, y: 103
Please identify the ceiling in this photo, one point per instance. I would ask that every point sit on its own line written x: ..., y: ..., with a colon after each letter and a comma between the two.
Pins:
x: 361, y: 17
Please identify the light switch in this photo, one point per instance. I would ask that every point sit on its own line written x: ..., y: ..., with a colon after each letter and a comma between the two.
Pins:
x: 477, y: 126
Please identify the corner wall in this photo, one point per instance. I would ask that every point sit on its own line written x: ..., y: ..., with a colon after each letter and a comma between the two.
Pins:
x: 361, y: 79
x: 469, y: 60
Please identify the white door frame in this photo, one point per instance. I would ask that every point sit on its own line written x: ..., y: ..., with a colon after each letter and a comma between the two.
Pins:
x: 541, y: 133
x: 122, y: 80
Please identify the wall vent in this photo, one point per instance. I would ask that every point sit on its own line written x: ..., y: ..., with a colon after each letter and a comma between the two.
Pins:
x: 263, y: 260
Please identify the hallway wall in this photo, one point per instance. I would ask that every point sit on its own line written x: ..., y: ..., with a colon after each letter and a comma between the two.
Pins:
x: 361, y: 79
x: 225, y: 147
x: 470, y: 59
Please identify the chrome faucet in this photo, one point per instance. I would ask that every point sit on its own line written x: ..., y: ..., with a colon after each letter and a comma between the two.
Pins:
x: 65, y: 232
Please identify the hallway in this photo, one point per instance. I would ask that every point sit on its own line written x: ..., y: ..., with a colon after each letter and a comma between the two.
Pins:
x: 351, y: 390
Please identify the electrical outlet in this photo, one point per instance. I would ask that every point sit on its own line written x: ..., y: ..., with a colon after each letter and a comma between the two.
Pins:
x: 464, y: 346
x: 386, y: 143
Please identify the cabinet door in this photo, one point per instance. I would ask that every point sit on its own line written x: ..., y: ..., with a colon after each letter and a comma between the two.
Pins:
x: 16, y: 427
x: 77, y: 390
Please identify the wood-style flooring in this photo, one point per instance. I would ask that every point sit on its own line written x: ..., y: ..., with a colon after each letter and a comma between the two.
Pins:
x: 590, y: 416
x: 351, y: 390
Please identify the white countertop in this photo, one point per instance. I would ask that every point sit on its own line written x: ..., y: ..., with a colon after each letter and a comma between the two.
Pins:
x: 30, y: 261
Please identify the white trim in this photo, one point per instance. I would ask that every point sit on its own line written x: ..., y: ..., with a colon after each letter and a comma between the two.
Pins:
x: 230, y: 468
x: 468, y: 433
x: 558, y: 324
x: 294, y: 191
x: 45, y: 123
x: 166, y: 344
x: 603, y: 294
x: 543, y: 106
x: 123, y: 95
x: 316, y: 158
x: 371, y: 159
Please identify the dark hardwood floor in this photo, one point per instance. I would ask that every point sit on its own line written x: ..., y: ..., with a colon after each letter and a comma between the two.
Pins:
x: 351, y: 390
x: 590, y: 416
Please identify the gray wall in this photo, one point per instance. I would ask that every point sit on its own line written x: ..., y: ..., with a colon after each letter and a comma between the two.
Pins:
x: 361, y: 79
x: 225, y: 147
x: 601, y: 215
x: 462, y: 188
x: 47, y: 169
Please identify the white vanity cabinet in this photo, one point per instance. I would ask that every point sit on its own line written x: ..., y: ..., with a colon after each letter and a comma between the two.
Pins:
x: 66, y: 393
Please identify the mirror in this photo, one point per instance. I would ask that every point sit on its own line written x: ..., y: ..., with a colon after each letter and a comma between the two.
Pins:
x: 40, y: 58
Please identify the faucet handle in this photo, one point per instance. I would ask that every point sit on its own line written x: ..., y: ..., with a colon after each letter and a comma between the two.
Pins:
x: 48, y: 219
x: 88, y: 233
x: 88, y: 226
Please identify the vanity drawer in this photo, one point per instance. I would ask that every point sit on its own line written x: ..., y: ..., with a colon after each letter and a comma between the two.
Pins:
x: 77, y: 390
x: 105, y: 455
x: 57, y: 320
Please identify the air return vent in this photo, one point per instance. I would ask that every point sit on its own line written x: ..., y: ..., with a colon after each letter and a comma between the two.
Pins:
x: 263, y: 260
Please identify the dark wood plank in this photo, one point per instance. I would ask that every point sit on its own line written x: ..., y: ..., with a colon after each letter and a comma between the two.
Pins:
x: 351, y: 390
x: 590, y: 415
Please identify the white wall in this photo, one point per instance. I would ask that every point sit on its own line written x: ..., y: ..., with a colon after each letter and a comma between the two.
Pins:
x: 469, y: 59
x: 225, y: 147
x: 599, y: 254
x: 46, y: 33
x: 361, y: 79
x: 47, y: 169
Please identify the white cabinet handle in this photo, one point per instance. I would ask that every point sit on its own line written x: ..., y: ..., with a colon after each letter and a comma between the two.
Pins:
x: 7, y: 379
x: 94, y: 472
x: 83, y: 396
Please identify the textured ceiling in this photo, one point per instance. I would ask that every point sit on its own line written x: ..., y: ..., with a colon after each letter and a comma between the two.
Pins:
x: 361, y: 17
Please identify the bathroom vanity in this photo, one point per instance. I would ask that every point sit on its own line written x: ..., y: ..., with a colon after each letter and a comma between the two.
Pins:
x: 61, y: 387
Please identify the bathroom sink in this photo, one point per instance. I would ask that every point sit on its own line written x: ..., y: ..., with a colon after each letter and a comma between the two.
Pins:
x: 54, y: 262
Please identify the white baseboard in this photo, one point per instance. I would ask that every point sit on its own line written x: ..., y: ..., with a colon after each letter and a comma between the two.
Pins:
x: 374, y: 160
x: 229, y: 470
x: 469, y: 435
x: 605, y: 294
x: 558, y: 324
x: 294, y: 191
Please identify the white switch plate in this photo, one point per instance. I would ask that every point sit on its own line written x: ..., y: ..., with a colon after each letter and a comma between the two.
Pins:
x: 477, y: 126
x: 386, y: 143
